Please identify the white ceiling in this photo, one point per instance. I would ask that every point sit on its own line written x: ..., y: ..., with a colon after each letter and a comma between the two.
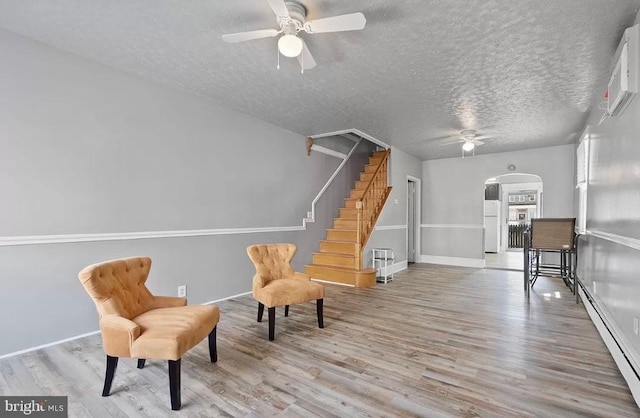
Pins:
x: 524, y: 72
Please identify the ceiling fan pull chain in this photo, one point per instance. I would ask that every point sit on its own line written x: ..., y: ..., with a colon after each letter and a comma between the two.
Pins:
x: 302, y: 63
x: 278, y: 54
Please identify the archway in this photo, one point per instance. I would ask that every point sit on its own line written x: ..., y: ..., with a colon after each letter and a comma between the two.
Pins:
x: 511, y: 200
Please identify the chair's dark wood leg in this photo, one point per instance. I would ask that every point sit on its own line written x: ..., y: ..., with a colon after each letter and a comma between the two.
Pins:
x: 141, y: 363
x: 213, y: 349
x: 174, y: 384
x: 286, y: 310
x: 272, y: 323
x: 260, y: 311
x: 319, y: 304
x: 112, y: 363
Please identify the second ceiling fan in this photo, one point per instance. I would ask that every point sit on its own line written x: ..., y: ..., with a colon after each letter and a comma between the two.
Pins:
x: 291, y: 18
x: 469, y: 140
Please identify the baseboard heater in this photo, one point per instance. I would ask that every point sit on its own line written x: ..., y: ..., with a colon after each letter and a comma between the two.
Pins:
x: 617, y: 350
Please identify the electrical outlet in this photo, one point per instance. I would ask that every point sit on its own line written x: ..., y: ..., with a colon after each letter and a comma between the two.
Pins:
x: 635, y: 325
x: 182, y: 291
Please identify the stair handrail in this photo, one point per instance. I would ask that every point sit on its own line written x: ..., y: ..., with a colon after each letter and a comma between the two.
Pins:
x: 311, y: 215
x: 375, y: 173
x: 362, y: 234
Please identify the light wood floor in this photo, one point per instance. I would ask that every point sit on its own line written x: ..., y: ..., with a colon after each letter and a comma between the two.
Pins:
x: 508, y: 260
x: 435, y: 342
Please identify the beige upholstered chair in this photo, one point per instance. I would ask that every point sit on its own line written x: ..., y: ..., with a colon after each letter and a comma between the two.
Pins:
x: 276, y: 284
x: 136, y: 324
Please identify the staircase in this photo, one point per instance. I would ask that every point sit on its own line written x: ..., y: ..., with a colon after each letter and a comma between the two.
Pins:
x: 340, y: 256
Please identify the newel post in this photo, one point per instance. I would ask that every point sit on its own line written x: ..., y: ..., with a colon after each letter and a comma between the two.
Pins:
x: 309, y: 145
x: 358, y: 259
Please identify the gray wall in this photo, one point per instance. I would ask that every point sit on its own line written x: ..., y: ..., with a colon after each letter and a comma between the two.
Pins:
x: 108, y: 152
x: 453, y: 195
x: 336, y: 143
x: 394, y: 215
x: 609, y: 253
x: 86, y: 149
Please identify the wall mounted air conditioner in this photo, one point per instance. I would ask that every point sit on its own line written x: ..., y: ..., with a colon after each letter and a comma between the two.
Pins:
x: 623, y: 84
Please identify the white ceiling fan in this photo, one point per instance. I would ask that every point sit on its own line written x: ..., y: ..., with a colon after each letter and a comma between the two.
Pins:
x: 291, y: 18
x: 469, y: 139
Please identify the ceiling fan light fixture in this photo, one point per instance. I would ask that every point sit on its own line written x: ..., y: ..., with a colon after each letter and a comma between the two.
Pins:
x: 468, y: 146
x: 290, y: 46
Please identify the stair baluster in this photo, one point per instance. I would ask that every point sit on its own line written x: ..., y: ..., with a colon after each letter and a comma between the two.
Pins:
x: 371, y: 202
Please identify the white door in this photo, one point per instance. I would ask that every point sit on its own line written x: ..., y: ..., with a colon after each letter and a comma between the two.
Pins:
x: 411, y: 221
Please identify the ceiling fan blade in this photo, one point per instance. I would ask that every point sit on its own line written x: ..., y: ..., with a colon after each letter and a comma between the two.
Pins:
x: 305, y: 58
x: 477, y: 142
x: 440, y: 138
x: 456, y: 141
x: 353, y: 21
x: 279, y: 8
x: 248, y: 36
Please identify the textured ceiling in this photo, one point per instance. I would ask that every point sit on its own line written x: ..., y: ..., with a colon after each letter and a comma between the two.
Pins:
x: 523, y: 72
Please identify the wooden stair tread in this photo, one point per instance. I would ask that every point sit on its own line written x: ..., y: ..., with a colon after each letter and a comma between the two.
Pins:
x: 334, y: 254
x: 350, y: 202
x: 361, y: 184
x: 343, y: 269
x: 345, y: 275
x: 336, y: 241
x: 339, y: 247
x: 343, y: 223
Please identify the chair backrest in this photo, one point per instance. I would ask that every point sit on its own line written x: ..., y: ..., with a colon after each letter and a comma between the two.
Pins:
x: 552, y: 233
x: 117, y: 286
x: 272, y: 261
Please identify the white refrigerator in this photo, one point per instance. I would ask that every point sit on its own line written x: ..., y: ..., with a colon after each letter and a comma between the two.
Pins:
x: 491, y: 226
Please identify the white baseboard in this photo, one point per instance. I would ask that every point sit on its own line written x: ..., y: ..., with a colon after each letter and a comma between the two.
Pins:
x: 452, y: 261
x: 88, y: 334
x: 402, y: 265
x: 38, y: 347
x: 616, y: 352
x: 227, y: 298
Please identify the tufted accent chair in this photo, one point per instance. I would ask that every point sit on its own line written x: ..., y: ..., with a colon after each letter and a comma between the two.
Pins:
x: 136, y: 324
x: 276, y: 284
